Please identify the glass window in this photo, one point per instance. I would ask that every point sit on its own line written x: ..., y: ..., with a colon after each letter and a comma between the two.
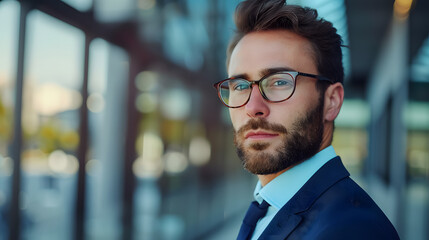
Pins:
x: 350, y: 136
x: 416, y: 116
x: 107, y: 104
x: 417, y: 119
x: 335, y: 12
x: 172, y: 147
x: 351, y: 144
x: 187, y: 36
x: 114, y: 10
x: 420, y: 66
x: 50, y: 120
x: 81, y: 5
x: 9, y: 22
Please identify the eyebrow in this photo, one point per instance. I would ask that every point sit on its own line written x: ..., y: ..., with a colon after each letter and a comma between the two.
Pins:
x: 263, y: 72
x: 267, y: 71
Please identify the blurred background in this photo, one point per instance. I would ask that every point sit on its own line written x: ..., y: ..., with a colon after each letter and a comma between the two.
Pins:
x: 110, y: 127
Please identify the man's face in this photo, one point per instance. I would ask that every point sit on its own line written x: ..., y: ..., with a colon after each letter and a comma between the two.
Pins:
x: 271, y: 137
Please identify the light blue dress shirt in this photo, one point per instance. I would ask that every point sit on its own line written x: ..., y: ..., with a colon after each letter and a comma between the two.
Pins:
x: 282, y: 188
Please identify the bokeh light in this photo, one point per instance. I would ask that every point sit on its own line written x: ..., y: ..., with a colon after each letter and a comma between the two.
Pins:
x: 199, y: 151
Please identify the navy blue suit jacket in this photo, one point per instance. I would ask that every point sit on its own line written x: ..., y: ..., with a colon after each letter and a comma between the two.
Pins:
x: 330, y: 206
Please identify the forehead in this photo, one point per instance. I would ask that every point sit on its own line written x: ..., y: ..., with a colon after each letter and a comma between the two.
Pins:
x: 271, y: 49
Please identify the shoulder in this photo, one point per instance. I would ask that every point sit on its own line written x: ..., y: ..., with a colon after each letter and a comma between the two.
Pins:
x: 346, y: 211
x: 357, y: 225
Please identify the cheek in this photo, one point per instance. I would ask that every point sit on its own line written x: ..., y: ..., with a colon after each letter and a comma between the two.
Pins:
x: 305, y: 98
x: 287, y: 113
x: 236, y: 120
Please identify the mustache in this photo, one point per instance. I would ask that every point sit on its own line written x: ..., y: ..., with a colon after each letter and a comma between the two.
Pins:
x: 261, y: 123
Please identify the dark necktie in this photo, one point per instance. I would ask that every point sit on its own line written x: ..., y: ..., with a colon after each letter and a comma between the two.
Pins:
x: 253, y: 214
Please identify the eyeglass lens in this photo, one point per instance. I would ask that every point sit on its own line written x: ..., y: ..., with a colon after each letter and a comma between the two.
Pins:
x: 276, y: 87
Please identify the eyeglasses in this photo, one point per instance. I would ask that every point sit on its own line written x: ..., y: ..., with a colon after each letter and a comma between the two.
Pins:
x: 274, y: 87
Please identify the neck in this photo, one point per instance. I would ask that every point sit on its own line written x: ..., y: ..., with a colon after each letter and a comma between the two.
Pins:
x: 265, y: 179
x: 328, y: 132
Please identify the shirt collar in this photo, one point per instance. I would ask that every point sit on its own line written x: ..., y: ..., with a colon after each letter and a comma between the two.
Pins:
x: 282, y: 188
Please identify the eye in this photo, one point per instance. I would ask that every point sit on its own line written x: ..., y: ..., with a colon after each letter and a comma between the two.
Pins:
x: 239, y: 85
x: 278, y: 83
x: 281, y: 82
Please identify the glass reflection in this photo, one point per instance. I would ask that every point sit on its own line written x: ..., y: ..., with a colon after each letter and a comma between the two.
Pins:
x: 149, y: 165
x: 199, y: 151
x: 176, y: 103
x: 173, y: 146
x: 52, y: 78
x: 81, y: 5
x: 175, y: 161
x: 187, y: 34
x: 114, y: 11
x: 108, y: 73
x: 9, y: 15
x: 146, y: 4
x: 420, y: 65
x: 416, y: 117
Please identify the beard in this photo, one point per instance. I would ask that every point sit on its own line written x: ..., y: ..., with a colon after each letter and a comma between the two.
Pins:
x: 300, y: 142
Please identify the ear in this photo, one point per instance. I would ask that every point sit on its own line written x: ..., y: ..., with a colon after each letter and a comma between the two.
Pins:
x: 334, y: 96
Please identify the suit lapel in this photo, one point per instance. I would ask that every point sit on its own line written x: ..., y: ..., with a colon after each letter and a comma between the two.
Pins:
x: 288, y: 217
x: 282, y: 224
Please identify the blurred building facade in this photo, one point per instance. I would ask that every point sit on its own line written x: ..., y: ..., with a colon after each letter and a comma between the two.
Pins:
x: 110, y: 127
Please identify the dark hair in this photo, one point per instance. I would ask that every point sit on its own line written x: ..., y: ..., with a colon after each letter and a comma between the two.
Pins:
x: 262, y: 15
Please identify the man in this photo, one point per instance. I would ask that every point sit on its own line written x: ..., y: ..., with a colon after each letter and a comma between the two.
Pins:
x: 284, y: 92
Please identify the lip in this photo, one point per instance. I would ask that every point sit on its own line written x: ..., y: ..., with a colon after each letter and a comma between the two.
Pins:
x: 260, y: 135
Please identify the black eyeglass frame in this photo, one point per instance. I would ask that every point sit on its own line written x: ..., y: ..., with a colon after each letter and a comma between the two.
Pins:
x: 294, y: 74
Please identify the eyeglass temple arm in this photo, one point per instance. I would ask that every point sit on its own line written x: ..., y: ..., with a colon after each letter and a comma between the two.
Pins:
x: 322, y: 78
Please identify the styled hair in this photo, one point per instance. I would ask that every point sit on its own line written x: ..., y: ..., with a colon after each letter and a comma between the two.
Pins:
x: 264, y: 15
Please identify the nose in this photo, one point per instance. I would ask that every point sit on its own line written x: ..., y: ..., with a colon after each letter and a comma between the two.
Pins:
x: 257, y: 106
